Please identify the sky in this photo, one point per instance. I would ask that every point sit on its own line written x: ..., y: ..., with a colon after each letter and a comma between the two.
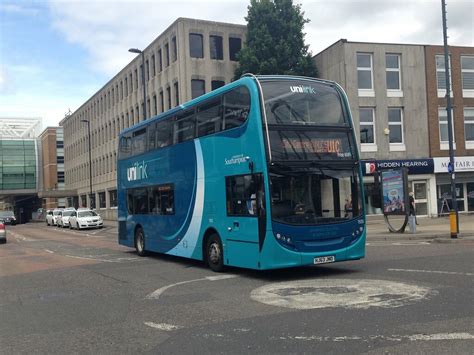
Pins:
x: 56, y: 54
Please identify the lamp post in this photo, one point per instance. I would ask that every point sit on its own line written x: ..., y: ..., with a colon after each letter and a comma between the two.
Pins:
x: 90, y: 160
x: 138, y: 51
x: 454, y: 217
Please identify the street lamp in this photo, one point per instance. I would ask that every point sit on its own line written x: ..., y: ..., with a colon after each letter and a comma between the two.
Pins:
x: 90, y: 160
x: 138, y: 51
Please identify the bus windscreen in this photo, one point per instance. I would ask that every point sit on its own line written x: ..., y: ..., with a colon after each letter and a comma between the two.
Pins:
x: 299, y: 102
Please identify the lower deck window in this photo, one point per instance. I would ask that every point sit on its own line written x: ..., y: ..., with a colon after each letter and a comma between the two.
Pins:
x: 157, y: 200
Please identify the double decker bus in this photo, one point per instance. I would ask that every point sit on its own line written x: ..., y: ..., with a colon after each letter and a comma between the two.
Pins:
x: 262, y: 173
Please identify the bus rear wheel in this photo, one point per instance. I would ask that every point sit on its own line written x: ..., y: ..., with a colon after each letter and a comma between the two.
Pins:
x: 140, y: 242
x: 215, y: 253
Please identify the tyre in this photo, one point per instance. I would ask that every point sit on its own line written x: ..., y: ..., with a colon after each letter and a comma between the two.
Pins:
x: 140, y: 242
x: 215, y: 253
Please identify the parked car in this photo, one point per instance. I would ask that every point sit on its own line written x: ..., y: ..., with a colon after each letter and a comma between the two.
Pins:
x: 3, y: 232
x: 49, y: 217
x: 52, y: 220
x: 8, y: 217
x: 85, y: 219
x: 63, y: 218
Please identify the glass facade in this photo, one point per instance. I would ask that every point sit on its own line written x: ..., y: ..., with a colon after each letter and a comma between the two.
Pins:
x: 18, y: 168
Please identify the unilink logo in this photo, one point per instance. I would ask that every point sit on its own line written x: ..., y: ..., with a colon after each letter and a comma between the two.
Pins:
x: 137, y: 171
x: 303, y: 89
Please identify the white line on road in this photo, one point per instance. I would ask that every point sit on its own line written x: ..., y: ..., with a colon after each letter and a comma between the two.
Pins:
x: 163, y: 326
x: 156, y: 294
x: 435, y: 272
x: 396, y: 338
x: 117, y: 260
x: 49, y: 251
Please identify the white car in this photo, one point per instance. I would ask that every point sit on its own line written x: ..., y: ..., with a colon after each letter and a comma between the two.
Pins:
x: 63, y: 219
x: 52, y: 219
x: 85, y: 219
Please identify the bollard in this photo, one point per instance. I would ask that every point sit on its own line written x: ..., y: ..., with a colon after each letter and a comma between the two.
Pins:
x: 453, y: 224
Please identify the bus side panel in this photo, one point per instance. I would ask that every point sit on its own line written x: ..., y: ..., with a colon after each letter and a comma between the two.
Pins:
x: 242, y: 254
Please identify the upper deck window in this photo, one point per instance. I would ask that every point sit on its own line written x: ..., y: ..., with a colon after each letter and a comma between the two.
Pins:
x: 302, y: 103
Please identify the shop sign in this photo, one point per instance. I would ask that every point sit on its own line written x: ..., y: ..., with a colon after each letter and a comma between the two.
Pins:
x: 414, y: 166
x: 461, y: 164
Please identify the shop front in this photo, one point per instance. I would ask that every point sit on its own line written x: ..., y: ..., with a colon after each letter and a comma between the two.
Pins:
x: 421, y: 180
x: 464, y: 173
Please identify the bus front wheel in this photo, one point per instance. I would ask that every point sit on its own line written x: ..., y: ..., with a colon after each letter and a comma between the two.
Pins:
x: 140, y: 242
x: 214, y: 253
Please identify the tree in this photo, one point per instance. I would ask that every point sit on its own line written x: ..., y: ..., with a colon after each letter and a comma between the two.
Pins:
x: 275, y: 40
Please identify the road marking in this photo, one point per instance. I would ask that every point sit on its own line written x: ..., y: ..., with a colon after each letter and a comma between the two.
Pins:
x: 383, y: 243
x: 157, y: 293
x: 345, y: 293
x: 117, y: 260
x: 435, y: 272
x: 163, y: 326
x: 394, y: 338
x: 49, y: 251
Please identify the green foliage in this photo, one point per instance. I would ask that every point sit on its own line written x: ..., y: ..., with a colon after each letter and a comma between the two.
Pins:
x: 275, y: 40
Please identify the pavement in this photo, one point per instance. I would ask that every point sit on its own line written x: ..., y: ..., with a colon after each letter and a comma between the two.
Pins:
x: 428, y: 228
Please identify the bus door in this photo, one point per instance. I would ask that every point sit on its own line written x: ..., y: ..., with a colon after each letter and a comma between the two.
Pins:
x: 245, y: 227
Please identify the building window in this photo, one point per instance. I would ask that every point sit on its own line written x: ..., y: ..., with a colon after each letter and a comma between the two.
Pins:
x: 364, y: 74
x: 443, y: 127
x: 195, y: 45
x: 469, y: 127
x: 235, y: 45
x: 59, y: 144
x: 174, y: 49
x: 102, y: 203
x: 60, y: 160
x: 60, y: 175
x: 467, y: 73
x: 176, y: 93
x: 153, y: 65
x: 136, y: 78
x: 162, y: 102
x: 155, y: 105
x: 367, y: 126
x: 197, y: 88
x: 215, y: 47
x: 160, y: 61
x: 167, y: 55
x: 113, y: 198
x: 393, y: 74
x: 126, y: 87
x: 441, y: 75
x: 147, y: 67
x: 216, y: 84
x: 168, y: 96
x: 395, y: 125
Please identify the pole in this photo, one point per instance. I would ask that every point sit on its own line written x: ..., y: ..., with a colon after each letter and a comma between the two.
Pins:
x: 454, y: 203
x: 144, y: 86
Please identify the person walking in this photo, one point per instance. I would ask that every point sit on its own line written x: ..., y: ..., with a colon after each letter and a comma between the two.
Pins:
x: 411, y: 200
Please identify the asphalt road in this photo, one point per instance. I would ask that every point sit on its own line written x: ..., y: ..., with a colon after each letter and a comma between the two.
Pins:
x: 65, y: 291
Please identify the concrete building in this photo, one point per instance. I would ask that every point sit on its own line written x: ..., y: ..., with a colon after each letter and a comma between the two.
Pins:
x: 189, y: 58
x: 386, y: 88
x: 52, y: 187
x: 462, y: 86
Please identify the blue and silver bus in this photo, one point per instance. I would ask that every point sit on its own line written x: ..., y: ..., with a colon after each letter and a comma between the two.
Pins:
x: 261, y: 173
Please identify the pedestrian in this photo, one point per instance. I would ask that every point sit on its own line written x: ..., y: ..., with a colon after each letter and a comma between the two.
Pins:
x: 411, y: 200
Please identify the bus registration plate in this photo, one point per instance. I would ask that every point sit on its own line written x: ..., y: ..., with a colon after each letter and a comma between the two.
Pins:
x: 324, y: 259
